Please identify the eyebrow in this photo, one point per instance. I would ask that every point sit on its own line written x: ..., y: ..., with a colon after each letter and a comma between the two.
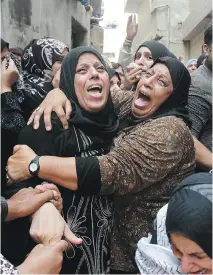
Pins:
x: 86, y: 64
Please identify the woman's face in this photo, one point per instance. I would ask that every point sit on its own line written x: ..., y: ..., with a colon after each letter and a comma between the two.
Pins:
x: 57, y: 65
x: 91, y: 83
x: 144, y: 58
x: 193, y: 259
x: 192, y: 66
x: 154, y: 87
x: 115, y: 84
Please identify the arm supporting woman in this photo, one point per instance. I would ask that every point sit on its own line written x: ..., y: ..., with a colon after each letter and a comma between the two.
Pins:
x: 145, y: 156
x: 71, y: 172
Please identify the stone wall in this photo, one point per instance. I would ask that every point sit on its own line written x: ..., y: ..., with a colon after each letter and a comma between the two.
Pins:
x: 23, y: 20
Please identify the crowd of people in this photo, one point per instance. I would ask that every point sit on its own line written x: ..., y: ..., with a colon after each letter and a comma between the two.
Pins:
x: 106, y: 167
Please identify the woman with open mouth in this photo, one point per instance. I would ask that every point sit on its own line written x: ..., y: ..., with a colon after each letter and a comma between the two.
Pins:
x: 153, y: 153
x: 93, y: 124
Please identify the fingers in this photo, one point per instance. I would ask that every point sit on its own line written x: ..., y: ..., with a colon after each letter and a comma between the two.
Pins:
x: 68, y: 109
x: 37, y: 117
x: 16, y: 148
x: 47, y: 118
x: 50, y: 186
x: 136, y: 75
x: 47, y: 195
x: 30, y: 120
x: 61, y: 246
x: 61, y: 114
x: 70, y: 236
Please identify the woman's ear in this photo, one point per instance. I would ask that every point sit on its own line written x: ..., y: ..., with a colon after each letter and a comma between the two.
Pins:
x: 206, y: 49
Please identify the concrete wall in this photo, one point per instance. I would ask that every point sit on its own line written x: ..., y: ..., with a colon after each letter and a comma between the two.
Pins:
x: 196, y: 45
x: 97, y: 37
x: 164, y: 18
x: 23, y: 20
x: 195, y: 24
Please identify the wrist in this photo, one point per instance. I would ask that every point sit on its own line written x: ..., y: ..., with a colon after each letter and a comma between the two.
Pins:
x: 128, y: 42
x: 12, y: 210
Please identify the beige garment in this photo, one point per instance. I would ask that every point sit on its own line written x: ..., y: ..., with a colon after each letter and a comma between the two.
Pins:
x: 145, y: 165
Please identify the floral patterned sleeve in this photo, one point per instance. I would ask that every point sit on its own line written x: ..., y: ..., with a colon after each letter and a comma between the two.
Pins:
x: 7, y: 268
x: 146, y: 155
x: 122, y: 101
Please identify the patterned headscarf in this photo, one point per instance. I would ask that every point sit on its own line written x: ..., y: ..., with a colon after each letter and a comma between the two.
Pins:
x: 37, y: 61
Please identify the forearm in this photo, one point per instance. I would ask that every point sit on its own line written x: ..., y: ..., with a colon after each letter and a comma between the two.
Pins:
x: 203, y: 155
x: 61, y: 171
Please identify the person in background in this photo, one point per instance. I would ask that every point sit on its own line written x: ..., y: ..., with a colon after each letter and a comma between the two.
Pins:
x: 181, y: 239
x: 46, y: 259
x: 126, y: 55
x: 191, y: 65
x: 119, y: 69
x: 115, y: 80
x: 200, y: 106
x: 88, y: 8
x: 17, y: 52
x: 201, y: 60
x: 41, y: 59
x: 144, y: 58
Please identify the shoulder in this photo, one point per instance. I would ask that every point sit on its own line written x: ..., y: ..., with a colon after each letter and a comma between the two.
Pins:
x: 168, y: 130
x: 201, y: 82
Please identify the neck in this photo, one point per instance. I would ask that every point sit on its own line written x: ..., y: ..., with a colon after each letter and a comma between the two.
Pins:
x: 208, y: 64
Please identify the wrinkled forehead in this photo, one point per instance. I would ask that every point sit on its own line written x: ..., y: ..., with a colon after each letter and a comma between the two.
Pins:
x: 89, y: 58
x: 160, y: 69
x: 144, y: 50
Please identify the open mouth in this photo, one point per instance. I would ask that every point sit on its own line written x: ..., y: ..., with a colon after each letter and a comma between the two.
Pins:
x: 142, y: 100
x: 95, y: 89
x: 202, y: 271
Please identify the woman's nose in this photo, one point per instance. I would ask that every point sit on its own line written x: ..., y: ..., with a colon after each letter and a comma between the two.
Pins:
x: 94, y: 72
x: 186, y: 264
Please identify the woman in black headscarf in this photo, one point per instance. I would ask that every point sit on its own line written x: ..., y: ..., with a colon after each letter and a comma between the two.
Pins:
x: 181, y: 241
x: 189, y: 223
x: 145, y: 56
x: 150, y: 157
x: 40, y: 61
x: 92, y: 126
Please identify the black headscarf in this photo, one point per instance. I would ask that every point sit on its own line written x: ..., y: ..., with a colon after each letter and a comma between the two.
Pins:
x: 176, y: 103
x: 37, y: 60
x: 103, y: 124
x: 190, y: 211
x: 113, y: 72
x: 157, y: 49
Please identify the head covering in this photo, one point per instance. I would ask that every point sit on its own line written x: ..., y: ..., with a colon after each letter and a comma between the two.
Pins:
x: 37, y: 60
x: 157, y: 49
x: 176, y: 103
x: 200, y: 59
x: 190, y: 61
x: 113, y: 72
x: 190, y: 211
x: 4, y: 44
x: 103, y: 124
x: 157, y: 257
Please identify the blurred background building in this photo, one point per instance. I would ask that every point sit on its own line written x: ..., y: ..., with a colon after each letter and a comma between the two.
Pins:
x: 66, y: 20
x: 178, y: 24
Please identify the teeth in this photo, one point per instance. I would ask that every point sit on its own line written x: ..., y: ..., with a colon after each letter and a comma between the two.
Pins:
x: 203, y: 271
